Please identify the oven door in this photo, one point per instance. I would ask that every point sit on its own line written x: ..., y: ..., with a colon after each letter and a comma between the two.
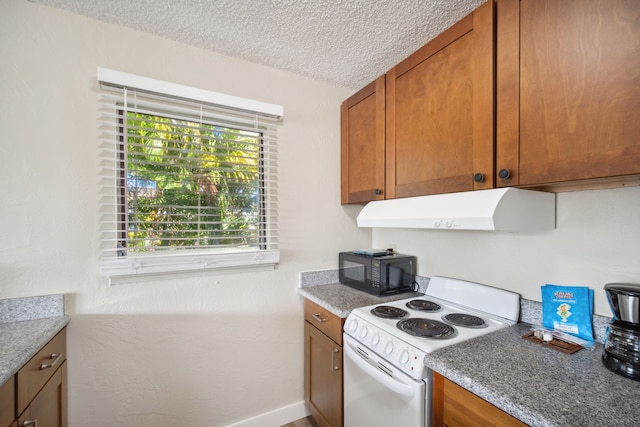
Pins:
x: 376, y: 394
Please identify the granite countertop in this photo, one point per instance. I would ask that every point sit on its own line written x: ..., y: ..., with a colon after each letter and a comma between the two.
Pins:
x: 27, y: 325
x: 323, y: 288
x: 340, y: 299
x: 539, y: 385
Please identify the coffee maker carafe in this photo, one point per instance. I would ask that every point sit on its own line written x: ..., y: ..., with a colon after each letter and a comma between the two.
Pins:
x: 622, y: 340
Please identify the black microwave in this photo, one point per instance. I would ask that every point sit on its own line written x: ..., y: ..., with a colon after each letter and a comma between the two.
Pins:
x: 377, y: 274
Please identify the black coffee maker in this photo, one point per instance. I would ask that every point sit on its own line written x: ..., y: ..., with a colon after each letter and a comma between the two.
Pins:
x: 622, y: 341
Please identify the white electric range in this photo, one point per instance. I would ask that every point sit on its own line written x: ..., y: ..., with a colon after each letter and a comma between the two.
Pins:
x: 385, y: 345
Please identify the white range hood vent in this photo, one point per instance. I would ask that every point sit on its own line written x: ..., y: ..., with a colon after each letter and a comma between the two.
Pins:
x: 500, y: 209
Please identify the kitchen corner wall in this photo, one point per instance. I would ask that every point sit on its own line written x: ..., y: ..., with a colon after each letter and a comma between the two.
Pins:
x: 596, y: 241
x: 202, y: 350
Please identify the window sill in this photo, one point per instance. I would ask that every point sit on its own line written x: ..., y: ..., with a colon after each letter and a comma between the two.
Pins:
x: 131, y: 269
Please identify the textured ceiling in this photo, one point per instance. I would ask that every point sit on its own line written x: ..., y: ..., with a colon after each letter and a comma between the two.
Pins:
x: 347, y: 43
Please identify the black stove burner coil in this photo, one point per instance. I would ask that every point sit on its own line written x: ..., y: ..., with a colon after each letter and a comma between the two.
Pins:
x: 389, y: 312
x: 464, y: 320
x: 423, y: 305
x: 425, y: 328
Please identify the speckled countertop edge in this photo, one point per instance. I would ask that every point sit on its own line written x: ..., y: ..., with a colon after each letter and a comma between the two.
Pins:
x: 538, y: 385
x: 340, y: 299
x: 322, y: 288
x: 20, y: 341
x: 26, y: 325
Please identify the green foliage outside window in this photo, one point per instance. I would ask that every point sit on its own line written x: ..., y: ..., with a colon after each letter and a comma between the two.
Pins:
x: 189, y: 185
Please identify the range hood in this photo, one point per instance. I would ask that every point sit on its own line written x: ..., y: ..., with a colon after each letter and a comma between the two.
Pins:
x: 500, y: 209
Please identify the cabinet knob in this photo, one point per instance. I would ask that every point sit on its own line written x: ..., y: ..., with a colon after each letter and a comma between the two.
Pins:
x: 378, y: 191
x: 479, y: 177
x: 504, y: 173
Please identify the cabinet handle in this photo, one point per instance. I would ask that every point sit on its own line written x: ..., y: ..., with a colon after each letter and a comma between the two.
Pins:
x: 55, y: 358
x: 479, y: 177
x: 319, y: 318
x: 33, y: 423
x: 378, y: 191
x: 334, y: 366
x: 504, y: 173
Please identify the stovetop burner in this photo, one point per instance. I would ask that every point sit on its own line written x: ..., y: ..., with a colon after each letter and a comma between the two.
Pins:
x: 426, y: 328
x: 464, y: 320
x: 389, y: 312
x: 423, y: 305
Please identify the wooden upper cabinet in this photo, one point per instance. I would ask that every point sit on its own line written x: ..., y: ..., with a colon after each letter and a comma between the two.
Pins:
x: 362, y: 139
x: 440, y: 115
x: 568, y: 91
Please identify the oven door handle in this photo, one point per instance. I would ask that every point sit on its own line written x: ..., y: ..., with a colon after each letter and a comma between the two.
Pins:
x: 392, y: 384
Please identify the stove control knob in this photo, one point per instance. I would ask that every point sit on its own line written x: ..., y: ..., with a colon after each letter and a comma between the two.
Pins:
x: 388, y: 348
x: 404, y: 357
x: 375, y: 339
x: 353, y: 325
x: 437, y: 223
x: 363, y: 332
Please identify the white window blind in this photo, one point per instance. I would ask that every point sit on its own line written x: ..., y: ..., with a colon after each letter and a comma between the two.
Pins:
x: 189, y: 178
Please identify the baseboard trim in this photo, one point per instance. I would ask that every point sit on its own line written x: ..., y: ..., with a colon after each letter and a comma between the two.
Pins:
x: 277, y: 417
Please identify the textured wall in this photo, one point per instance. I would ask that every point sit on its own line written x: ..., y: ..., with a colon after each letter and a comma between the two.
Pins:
x: 203, y: 350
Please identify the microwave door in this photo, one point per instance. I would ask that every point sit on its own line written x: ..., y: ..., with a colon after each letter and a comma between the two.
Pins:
x: 355, y: 272
x: 395, y: 277
x: 398, y: 277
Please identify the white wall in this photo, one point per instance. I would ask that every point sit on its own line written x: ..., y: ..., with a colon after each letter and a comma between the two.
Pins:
x: 204, y: 350
x: 596, y: 241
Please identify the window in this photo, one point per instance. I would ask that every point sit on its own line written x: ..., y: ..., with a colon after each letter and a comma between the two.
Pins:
x: 188, y: 183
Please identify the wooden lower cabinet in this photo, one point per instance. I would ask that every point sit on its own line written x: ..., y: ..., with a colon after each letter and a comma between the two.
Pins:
x: 49, y: 407
x: 454, y: 406
x: 37, y: 395
x: 7, y: 402
x: 323, y: 379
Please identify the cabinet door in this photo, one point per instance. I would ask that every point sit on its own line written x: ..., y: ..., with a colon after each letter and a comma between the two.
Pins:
x: 7, y: 402
x: 362, y: 144
x: 440, y: 130
x: 323, y: 320
x: 323, y: 377
x: 454, y: 406
x: 37, y: 371
x: 568, y: 90
x: 49, y: 407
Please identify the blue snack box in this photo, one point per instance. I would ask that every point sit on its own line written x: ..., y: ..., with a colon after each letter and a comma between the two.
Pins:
x: 568, y: 309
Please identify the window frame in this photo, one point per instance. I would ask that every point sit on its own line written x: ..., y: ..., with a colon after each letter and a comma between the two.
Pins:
x: 123, y: 267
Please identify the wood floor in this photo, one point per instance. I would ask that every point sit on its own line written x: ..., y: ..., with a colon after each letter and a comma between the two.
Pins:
x: 303, y: 422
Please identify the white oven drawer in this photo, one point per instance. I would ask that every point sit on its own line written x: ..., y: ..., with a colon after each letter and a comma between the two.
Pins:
x: 378, y: 395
